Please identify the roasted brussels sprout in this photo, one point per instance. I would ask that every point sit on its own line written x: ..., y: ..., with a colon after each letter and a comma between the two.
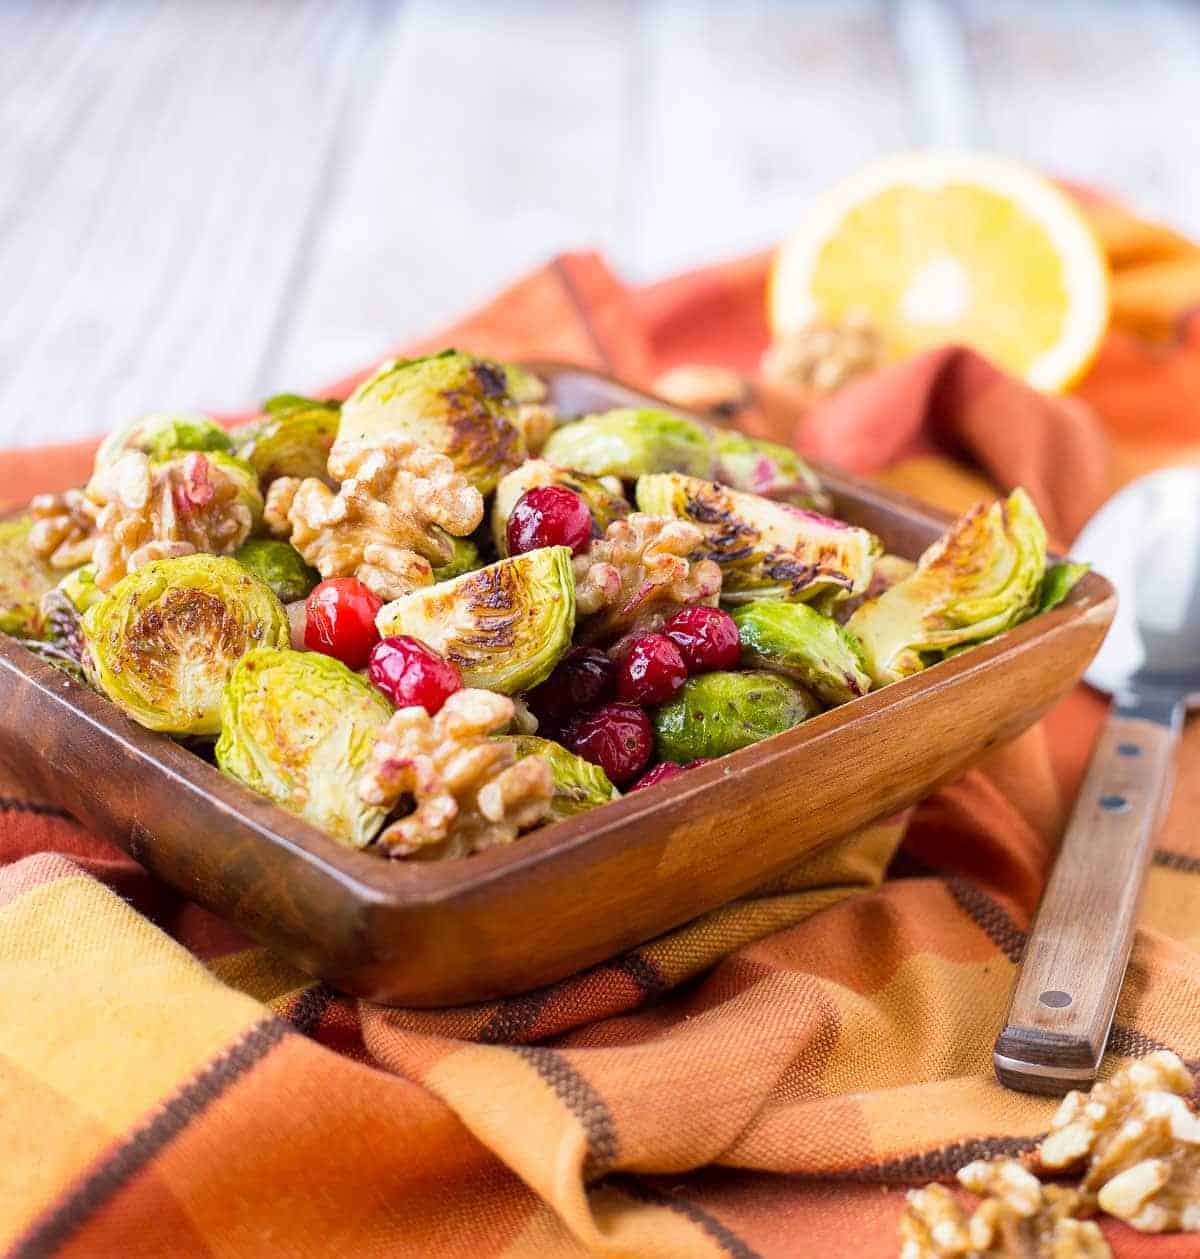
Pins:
x: 280, y: 565
x: 604, y: 500
x: 163, y: 641
x: 578, y: 784
x: 465, y: 559
x: 298, y: 727
x: 80, y: 588
x: 630, y: 442
x: 765, y: 549
x: 795, y: 640
x: 766, y: 468
x: 1058, y: 582
x: 716, y: 713
x: 24, y: 579
x: 980, y: 578
x: 452, y: 402
x: 162, y: 434
x: 523, y: 386
x: 293, y: 439
x: 504, y: 626
x: 298, y: 402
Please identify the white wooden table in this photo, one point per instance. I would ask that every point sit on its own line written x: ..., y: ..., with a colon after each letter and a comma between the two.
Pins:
x: 202, y: 203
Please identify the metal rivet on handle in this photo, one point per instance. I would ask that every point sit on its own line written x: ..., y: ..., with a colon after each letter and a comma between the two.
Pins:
x: 1114, y: 804
x: 1129, y: 749
x: 1055, y: 999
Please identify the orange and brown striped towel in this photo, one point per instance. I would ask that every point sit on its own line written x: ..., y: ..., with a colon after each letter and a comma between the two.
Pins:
x: 761, y: 1082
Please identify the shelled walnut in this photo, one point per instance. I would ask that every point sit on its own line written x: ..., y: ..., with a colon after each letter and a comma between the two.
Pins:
x: 640, y: 567
x: 469, y: 790
x: 823, y: 357
x: 64, y: 528
x: 389, y: 522
x: 705, y: 388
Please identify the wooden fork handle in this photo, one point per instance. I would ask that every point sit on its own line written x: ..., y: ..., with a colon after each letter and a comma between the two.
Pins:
x: 1078, y: 947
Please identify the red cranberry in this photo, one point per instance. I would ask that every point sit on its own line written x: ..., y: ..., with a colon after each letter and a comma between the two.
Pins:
x: 664, y: 771
x: 707, y: 638
x: 340, y: 620
x: 651, y: 670
x: 411, y: 673
x: 549, y: 515
x: 583, y: 677
x: 617, y: 737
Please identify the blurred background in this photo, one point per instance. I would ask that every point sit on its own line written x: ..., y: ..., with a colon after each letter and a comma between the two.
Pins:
x: 205, y: 202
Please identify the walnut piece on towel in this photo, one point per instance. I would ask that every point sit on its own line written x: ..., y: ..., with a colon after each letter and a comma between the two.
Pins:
x: 821, y: 358
x: 388, y: 522
x: 640, y: 567
x: 469, y: 790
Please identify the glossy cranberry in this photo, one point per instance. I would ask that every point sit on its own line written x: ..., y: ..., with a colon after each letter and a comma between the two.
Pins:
x: 707, y: 638
x: 411, y: 673
x: 549, y: 515
x: 583, y: 677
x: 340, y: 620
x: 664, y: 771
x: 651, y: 670
x: 617, y: 737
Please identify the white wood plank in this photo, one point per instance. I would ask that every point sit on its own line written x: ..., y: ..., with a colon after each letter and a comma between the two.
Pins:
x: 496, y: 137
x: 158, y: 168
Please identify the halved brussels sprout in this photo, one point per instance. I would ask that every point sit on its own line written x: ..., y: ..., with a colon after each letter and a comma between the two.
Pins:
x: 604, y: 502
x: 298, y: 402
x: 980, y: 578
x: 280, y: 565
x: 1059, y: 581
x: 293, y: 439
x: 162, y: 434
x: 24, y: 579
x: 523, y: 386
x: 504, y: 626
x: 298, y: 727
x: 578, y: 784
x: 766, y: 468
x: 765, y: 549
x: 631, y: 442
x: 465, y: 559
x: 451, y: 402
x: 795, y: 640
x: 717, y: 713
x: 163, y: 641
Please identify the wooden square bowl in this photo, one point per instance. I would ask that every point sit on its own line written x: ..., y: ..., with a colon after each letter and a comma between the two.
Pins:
x: 579, y: 890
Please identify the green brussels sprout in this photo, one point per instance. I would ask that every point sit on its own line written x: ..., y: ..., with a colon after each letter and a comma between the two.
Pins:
x: 451, y: 402
x: 504, y: 626
x: 765, y: 549
x: 162, y: 642
x: 290, y: 441
x: 161, y: 435
x: 280, y: 565
x: 523, y: 386
x: 298, y: 402
x: 980, y: 578
x: 766, y: 468
x: 578, y: 784
x: 24, y: 579
x: 80, y: 588
x: 629, y: 443
x: 717, y: 713
x: 795, y: 640
x: 298, y: 727
x: 605, y: 503
x: 465, y: 559
x: 1059, y: 581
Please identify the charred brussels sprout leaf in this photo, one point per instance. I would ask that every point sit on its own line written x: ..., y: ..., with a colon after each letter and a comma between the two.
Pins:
x: 766, y: 468
x: 290, y: 441
x: 24, y: 579
x: 162, y: 434
x: 765, y: 549
x: 604, y: 501
x: 1059, y: 581
x: 981, y: 577
x: 793, y: 639
x: 717, y: 713
x: 280, y: 565
x: 631, y: 442
x: 504, y: 626
x: 164, y: 640
x: 298, y: 727
x: 578, y: 784
x: 452, y: 402
x: 465, y: 559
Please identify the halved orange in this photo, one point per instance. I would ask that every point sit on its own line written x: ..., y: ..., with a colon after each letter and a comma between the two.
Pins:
x: 942, y: 247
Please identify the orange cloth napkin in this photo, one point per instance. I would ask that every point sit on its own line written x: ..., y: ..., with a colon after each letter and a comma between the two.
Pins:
x: 763, y: 1081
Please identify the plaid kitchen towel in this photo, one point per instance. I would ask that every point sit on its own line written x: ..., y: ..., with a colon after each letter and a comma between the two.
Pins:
x: 764, y: 1081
